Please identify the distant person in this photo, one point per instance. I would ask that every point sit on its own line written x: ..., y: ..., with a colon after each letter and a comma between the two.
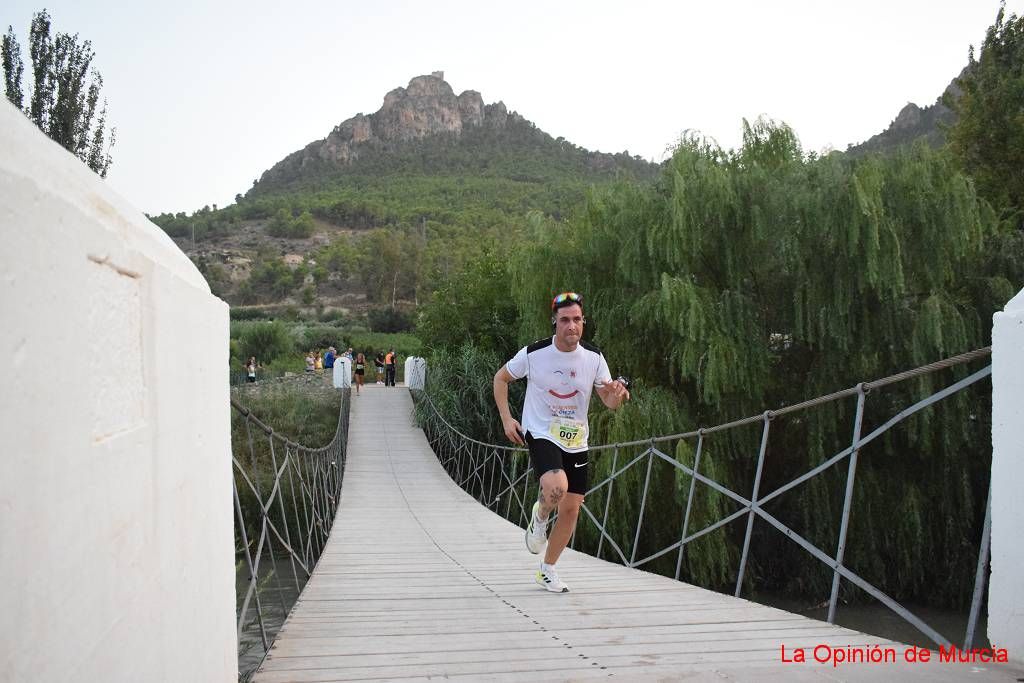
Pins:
x: 310, y: 362
x: 250, y: 369
x: 561, y: 372
x: 360, y: 371
x: 390, y: 361
x: 319, y: 362
x: 348, y: 354
x: 329, y: 358
x: 379, y: 364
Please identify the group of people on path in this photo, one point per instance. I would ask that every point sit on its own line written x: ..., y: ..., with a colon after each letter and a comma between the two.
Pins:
x: 317, y: 361
x: 385, y: 365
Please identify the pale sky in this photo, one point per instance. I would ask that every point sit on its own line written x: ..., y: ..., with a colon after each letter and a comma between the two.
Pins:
x: 206, y: 95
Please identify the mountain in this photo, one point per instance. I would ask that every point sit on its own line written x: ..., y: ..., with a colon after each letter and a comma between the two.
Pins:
x: 388, y: 205
x: 914, y: 123
x: 427, y: 128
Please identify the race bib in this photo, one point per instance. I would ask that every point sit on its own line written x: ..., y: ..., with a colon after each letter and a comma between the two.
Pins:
x: 569, y: 433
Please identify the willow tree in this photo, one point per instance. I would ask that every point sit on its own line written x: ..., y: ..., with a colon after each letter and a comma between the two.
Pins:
x: 750, y: 279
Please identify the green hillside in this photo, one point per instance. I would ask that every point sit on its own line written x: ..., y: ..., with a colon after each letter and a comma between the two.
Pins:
x: 388, y: 228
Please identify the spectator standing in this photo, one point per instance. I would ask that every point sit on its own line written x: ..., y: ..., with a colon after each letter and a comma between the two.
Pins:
x: 250, y: 369
x: 390, y: 363
x: 379, y: 363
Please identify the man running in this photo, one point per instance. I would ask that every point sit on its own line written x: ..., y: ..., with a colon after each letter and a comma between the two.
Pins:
x: 561, y: 372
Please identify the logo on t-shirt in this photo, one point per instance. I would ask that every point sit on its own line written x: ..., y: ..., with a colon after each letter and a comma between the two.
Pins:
x: 562, y: 382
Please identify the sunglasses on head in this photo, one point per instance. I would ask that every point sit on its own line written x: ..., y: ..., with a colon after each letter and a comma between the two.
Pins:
x: 571, y: 297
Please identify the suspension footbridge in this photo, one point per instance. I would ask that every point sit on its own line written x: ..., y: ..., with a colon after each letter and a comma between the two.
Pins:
x: 419, y: 581
x: 386, y: 554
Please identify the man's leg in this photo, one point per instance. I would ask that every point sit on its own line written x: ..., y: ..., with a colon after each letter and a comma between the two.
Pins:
x: 553, y: 485
x: 575, y: 469
x: 568, y: 513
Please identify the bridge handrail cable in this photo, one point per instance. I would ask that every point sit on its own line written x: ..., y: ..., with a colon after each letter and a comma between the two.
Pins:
x: 468, y: 461
x: 308, y: 481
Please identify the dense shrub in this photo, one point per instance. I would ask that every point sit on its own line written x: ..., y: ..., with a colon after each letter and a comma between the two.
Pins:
x: 266, y: 341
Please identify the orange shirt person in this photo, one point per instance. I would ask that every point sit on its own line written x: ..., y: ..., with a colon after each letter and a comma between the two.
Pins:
x: 390, y: 360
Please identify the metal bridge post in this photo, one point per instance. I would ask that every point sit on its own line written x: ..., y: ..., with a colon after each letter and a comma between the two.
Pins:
x: 608, y: 500
x: 980, y: 573
x: 284, y: 515
x: 253, y: 577
x: 753, y: 501
x: 291, y: 486
x: 490, y: 484
x: 526, y: 493
x: 511, y: 486
x: 689, y: 500
x: 643, y: 503
x: 844, y: 526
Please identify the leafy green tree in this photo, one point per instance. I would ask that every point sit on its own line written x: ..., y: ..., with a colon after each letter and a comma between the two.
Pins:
x: 65, y: 95
x: 339, y: 257
x: 280, y: 224
x: 379, y: 264
x: 272, y: 277
x: 266, y: 341
x: 308, y: 295
x: 988, y: 135
x: 476, y: 306
x: 302, y: 226
x: 388, y: 320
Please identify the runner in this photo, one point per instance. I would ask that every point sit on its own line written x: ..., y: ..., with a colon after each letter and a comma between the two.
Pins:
x: 561, y: 372
x: 360, y: 371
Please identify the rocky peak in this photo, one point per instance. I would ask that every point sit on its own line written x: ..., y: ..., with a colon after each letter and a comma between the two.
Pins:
x: 427, y: 106
x: 909, y: 117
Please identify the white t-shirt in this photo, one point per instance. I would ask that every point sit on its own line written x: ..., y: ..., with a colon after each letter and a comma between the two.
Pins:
x: 558, y: 390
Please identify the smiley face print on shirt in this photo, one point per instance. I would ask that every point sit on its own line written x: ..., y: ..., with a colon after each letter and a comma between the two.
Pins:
x: 564, y: 384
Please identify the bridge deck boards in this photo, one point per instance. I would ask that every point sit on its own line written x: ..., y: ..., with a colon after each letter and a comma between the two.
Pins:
x: 418, y: 581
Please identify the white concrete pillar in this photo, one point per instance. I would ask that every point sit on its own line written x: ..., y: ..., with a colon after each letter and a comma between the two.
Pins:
x: 342, y: 376
x: 1006, y: 592
x: 116, y: 537
x: 415, y: 372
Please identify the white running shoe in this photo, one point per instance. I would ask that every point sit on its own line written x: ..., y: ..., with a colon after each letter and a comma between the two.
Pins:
x: 536, y: 531
x: 548, y: 578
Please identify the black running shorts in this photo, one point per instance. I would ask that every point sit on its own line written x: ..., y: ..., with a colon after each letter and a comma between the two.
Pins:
x: 546, y: 456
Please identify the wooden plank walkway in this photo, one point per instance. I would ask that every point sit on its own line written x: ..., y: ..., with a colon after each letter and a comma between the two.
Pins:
x: 420, y: 582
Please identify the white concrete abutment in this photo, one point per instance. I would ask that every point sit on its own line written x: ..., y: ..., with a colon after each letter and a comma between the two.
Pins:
x: 1006, y: 590
x: 116, y: 539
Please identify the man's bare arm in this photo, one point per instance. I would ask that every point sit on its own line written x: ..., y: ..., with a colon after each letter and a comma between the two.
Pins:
x: 513, y: 430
